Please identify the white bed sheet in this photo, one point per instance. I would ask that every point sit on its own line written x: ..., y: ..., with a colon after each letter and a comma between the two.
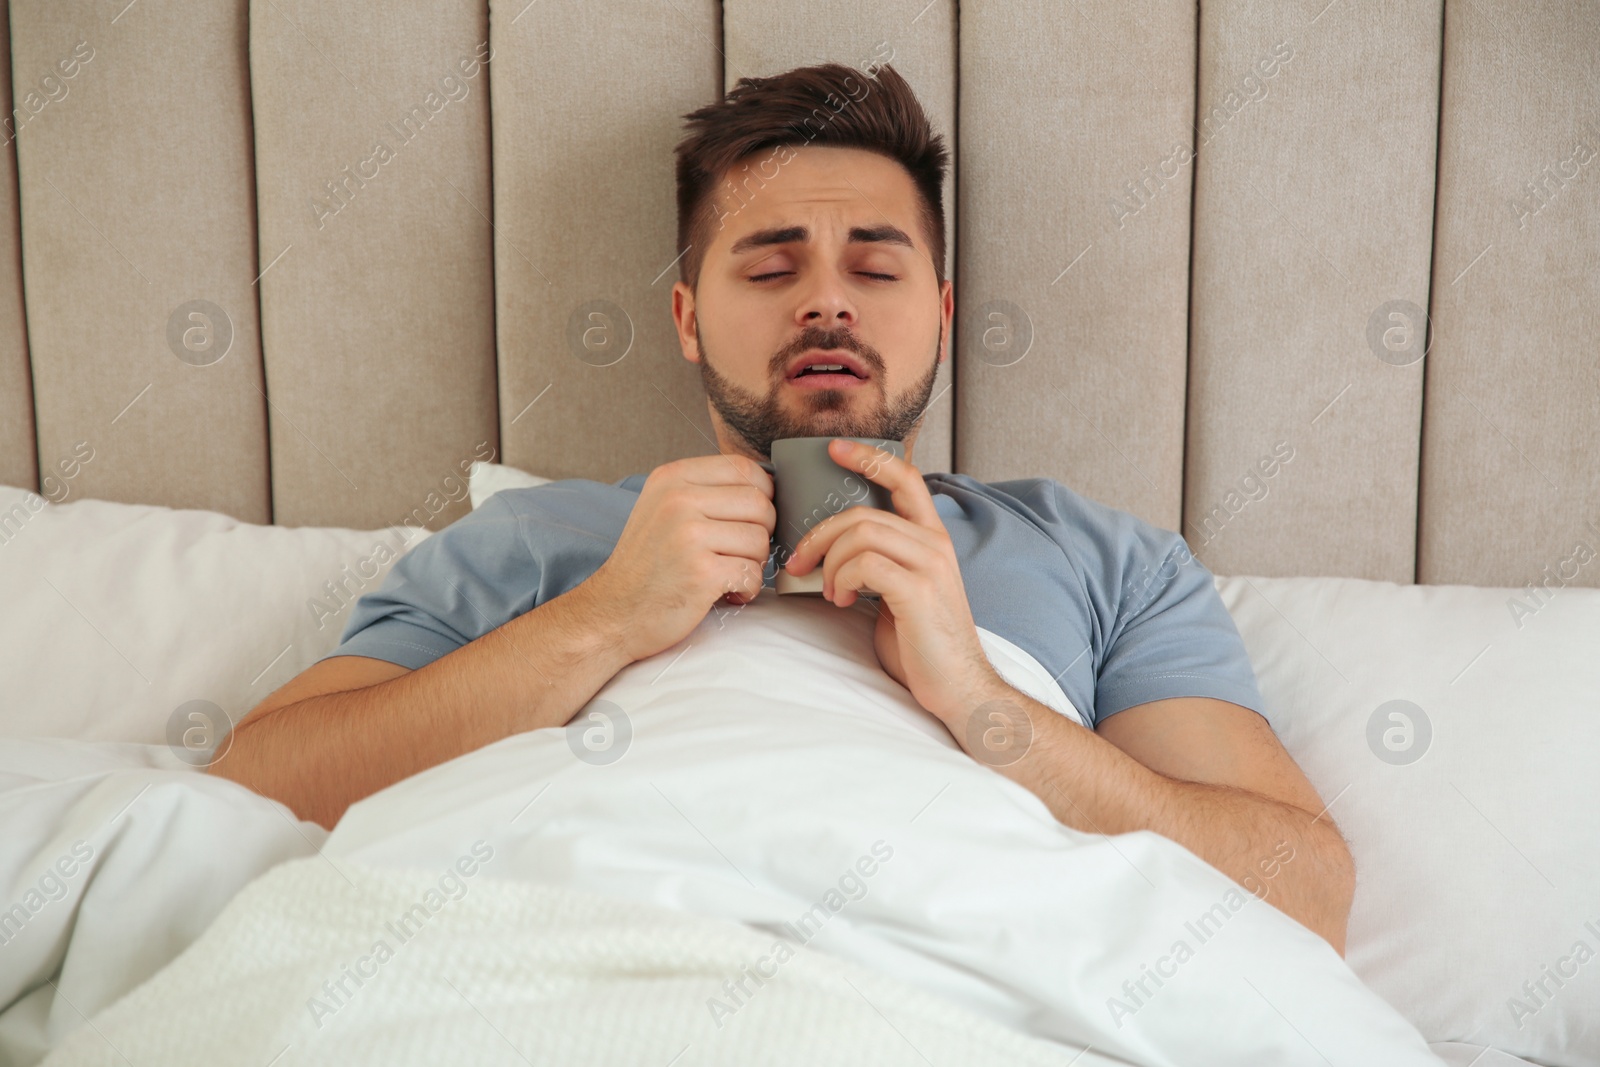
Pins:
x: 769, y: 753
x: 114, y: 857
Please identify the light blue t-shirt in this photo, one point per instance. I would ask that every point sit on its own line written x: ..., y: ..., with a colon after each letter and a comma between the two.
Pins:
x: 1117, y: 610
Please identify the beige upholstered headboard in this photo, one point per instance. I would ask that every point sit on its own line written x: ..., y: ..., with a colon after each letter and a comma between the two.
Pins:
x: 302, y: 261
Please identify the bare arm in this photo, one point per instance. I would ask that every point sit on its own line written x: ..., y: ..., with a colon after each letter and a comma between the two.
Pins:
x: 350, y: 725
x: 1205, y: 773
x: 1211, y: 776
x: 1229, y: 756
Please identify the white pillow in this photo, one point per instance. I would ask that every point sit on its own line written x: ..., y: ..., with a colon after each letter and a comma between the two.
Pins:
x: 1477, y: 861
x: 116, y: 618
x: 486, y: 479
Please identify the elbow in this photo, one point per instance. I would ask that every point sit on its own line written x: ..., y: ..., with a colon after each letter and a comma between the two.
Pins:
x: 1340, y: 890
x: 235, y: 757
x: 240, y: 760
x: 228, y: 758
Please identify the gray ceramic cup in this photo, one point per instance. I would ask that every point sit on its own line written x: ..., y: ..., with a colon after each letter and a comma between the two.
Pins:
x: 810, y: 487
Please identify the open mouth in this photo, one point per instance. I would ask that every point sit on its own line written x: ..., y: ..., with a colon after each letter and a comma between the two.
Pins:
x: 827, y: 371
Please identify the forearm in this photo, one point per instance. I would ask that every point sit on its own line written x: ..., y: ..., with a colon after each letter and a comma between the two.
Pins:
x: 1294, y: 859
x: 324, y: 753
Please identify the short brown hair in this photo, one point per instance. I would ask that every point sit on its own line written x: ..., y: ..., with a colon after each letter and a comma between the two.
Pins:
x: 827, y: 104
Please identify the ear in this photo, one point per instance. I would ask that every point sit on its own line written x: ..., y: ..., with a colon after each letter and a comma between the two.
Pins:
x: 947, y: 311
x: 686, y: 320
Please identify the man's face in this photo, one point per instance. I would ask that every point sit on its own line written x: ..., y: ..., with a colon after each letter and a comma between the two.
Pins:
x: 826, y: 255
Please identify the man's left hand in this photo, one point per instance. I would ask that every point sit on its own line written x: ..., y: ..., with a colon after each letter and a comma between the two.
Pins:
x: 924, y: 636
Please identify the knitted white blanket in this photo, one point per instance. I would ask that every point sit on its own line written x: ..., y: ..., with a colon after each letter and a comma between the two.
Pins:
x: 356, y: 965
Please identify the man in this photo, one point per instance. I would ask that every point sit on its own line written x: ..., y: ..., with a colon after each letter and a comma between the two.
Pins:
x: 811, y: 212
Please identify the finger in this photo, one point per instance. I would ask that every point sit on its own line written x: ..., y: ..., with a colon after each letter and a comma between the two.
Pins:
x: 819, y: 542
x: 814, y: 544
x: 896, y: 543
x: 906, y: 488
x: 891, y: 582
x: 745, y: 540
x: 869, y: 570
x: 724, y: 469
x: 741, y: 580
x: 735, y: 503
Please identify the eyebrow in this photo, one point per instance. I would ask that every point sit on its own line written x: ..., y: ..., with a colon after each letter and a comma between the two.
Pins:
x: 781, y: 235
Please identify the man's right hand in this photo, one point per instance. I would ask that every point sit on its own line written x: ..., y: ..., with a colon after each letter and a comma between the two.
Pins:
x: 701, y: 530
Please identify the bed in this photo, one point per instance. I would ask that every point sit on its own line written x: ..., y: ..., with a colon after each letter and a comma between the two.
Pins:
x: 246, y: 367
x: 724, y: 780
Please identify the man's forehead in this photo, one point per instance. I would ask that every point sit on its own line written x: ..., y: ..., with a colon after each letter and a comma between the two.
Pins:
x: 822, y: 191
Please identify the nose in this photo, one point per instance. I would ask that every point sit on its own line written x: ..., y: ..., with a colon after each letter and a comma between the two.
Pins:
x: 827, y: 305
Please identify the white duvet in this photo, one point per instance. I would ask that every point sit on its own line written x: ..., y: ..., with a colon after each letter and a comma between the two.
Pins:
x: 764, y: 771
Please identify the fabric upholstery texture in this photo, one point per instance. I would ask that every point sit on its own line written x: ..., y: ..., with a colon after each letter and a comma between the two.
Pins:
x: 372, y: 163
x: 137, y: 197
x: 18, y: 462
x: 1509, y: 479
x: 1185, y: 238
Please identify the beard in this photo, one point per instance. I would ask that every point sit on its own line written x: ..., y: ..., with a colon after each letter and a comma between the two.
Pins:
x: 760, y: 420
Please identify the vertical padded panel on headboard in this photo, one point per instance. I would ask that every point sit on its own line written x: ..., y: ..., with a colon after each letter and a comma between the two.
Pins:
x: 1510, y: 483
x: 915, y: 37
x: 18, y: 461
x: 1317, y: 125
x: 588, y: 100
x: 1074, y: 271
x: 138, y: 251
x: 372, y: 139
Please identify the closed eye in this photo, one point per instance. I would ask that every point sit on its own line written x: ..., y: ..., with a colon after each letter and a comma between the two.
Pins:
x: 780, y: 273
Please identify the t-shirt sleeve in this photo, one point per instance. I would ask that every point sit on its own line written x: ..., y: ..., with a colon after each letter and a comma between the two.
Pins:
x: 1165, y: 631
x: 452, y: 588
